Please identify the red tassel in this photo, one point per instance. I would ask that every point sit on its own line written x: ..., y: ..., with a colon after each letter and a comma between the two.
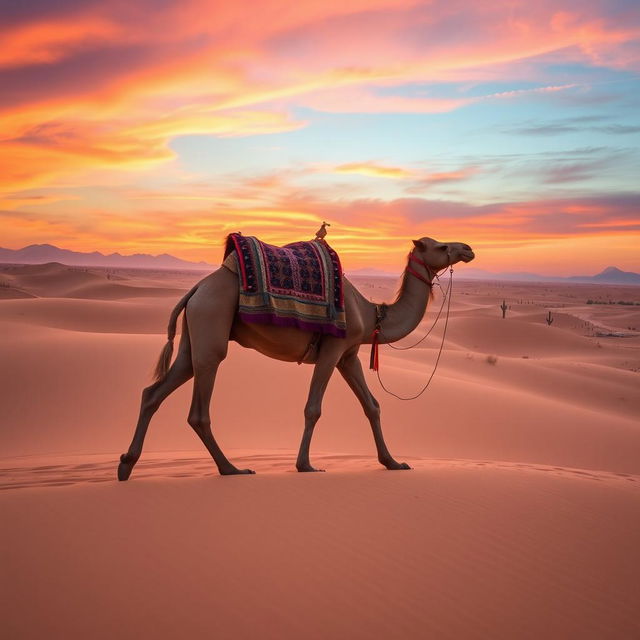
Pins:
x: 373, y: 360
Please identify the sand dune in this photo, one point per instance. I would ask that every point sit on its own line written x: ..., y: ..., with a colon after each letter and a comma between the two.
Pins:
x: 449, y: 550
x: 89, y: 316
x: 517, y: 337
x: 8, y: 292
x: 54, y: 280
x: 519, y: 520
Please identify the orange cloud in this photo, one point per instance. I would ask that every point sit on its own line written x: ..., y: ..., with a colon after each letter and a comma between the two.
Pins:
x: 49, y: 42
x: 365, y: 232
x: 374, y: 170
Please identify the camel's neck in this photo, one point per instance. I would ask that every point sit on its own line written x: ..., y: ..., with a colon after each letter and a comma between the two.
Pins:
x: 404, y: 315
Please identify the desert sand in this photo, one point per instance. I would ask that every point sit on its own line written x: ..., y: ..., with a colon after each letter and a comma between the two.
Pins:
x: 520, y: 518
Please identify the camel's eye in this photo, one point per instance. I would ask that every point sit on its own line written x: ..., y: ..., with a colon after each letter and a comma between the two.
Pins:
x: 444, y: 247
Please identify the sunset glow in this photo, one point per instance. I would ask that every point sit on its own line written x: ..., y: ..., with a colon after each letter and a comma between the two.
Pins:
x: 510, y: 126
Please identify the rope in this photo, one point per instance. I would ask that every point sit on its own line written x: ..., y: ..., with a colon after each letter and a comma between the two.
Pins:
x: 444, y: 333
x: 426, y: 335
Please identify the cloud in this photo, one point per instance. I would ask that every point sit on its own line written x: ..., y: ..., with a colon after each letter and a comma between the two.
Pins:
x: 549, y: 129
x: 365, y: 100
x: 573, y: 125
x: 619, y: 129
x: 578, y: 172
x: 143, y: 74
x: 442, y: 177
x: 365, y: 231
x: 575, y: 165
x: 526, y: 220
x: 374, y: 170
x: 43, y: 42
x: 418, y: 180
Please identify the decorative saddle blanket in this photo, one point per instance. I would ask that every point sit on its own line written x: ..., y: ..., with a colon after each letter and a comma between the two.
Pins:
x: 298, y: 285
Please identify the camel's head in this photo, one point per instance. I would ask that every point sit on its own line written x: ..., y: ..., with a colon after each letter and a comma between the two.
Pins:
x: 439, y: 255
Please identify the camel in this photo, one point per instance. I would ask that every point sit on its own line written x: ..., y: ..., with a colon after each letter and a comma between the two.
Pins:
x: 210, y: 322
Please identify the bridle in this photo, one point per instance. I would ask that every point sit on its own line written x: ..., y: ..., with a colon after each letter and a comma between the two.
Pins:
x: 431, y: 273
x: 381, y: 314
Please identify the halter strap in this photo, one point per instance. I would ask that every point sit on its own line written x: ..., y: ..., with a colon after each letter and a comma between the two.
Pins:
x: 432, y: 274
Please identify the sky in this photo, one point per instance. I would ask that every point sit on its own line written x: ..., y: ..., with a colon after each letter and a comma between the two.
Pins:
x: 159, y: 126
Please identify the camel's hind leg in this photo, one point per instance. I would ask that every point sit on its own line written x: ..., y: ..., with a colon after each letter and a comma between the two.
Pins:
x: 199, y: 417
x: 152, y: 397
x: 210, y: 319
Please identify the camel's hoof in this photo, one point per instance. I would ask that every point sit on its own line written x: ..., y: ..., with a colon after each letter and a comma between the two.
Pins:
x: 396, y: 466
x: 310, y: 469
x: 237, y: 472
x: 124, y: 468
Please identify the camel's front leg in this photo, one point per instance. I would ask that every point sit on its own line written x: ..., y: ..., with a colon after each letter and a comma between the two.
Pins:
x: 351, y: 370
x: 325, y: 366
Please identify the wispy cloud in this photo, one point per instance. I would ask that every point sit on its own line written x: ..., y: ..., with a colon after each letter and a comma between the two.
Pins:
x: 374, y: 170
x: 428, y: 180
x: 619, y: 129
x: 573, y: 125
x: 573, y: 165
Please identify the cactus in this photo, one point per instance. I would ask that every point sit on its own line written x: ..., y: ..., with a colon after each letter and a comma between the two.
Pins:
x: 504, y: 308
x: 549, y: 318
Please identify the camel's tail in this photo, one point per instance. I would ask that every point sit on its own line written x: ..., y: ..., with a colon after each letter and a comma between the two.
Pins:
x: 165, y: 355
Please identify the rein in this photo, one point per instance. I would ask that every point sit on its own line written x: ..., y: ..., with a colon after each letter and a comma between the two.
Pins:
x: 381, y: 314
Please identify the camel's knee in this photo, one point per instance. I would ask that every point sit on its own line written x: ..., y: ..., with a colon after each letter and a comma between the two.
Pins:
x: 312, y: 412
x: 198, y: 423
x: 205, y: 357
x: 207, y: 367
x: 372, y: 409
x: 151, y: 399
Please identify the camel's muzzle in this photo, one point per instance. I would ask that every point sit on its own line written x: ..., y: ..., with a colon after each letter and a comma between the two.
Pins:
x: 467, y: 256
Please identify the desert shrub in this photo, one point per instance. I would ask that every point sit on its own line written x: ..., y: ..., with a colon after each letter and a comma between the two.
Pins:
x: 492, y: 360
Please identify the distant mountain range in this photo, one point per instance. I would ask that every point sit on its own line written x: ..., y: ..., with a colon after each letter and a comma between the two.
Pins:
x: 610, y: 275
x: 40, y: 253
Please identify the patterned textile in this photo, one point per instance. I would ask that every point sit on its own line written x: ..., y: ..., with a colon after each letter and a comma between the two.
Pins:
x: 298, y: 285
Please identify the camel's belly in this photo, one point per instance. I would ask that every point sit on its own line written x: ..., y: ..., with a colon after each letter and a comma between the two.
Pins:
x: 280, y: 343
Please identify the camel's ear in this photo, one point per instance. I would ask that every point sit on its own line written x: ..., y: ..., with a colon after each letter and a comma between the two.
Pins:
x: 419, y: 245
